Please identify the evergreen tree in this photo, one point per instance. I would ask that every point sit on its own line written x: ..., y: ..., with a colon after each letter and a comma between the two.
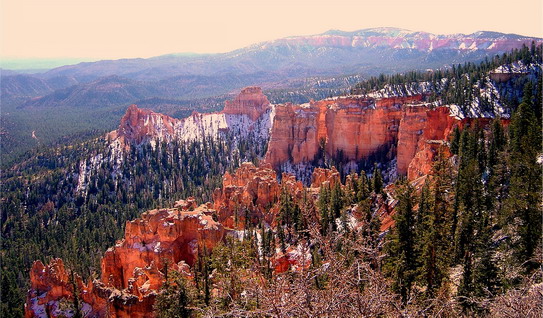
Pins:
x: 324, y: 208
x: 75, y: 292
x: 435, y: 240
x: 11, y: 306
x: 173, y: 299
x: 523, y: 203
x: 400, y: 263
x: 377, y: 180
x: 485, y: 273
x: 363, y: 187
x: 336, y: 202
x: 455, y: 142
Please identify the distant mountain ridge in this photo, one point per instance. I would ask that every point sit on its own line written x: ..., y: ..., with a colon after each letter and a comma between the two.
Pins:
x: 302, y: 53
x: 335, y: 52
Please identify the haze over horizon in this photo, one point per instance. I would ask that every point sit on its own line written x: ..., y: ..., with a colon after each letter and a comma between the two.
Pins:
x: 95, y: 30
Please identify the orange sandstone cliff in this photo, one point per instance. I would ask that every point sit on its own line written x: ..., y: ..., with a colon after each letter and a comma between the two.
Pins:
x: 250, y: 101
x: 140, y: 125
x: 358, y: 127
x: 132, y: 270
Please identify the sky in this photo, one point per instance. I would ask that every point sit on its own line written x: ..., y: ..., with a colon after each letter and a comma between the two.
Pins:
x: 113, y: 29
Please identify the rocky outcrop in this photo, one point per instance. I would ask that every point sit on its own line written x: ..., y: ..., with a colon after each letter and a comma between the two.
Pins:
x: 354, y: 128
x: 48, y: 286
x: 247, y: 193
x: 132, y: 270
x: 251, y: 101
x: 159, y: 236
x: 322, y: 176
x: 139, y: 125
x: 249, y: 112
x: 437, y: 128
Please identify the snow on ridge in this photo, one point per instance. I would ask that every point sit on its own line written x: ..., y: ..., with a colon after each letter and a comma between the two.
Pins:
x: 517, y: 67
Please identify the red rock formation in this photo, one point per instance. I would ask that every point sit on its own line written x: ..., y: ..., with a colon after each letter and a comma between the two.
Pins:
x: 349, y: 124
x: 360, y: 131
x: 141, y: 125
x: 358, y: 127
x: 159, y: 236
x: 250, y: 191
x: 138, y: 125
x: 321, y: 176
x: 251, y: 101
x: 132, y: 270
x: 411, y: 128
x: 397, y: 101
x: 294, y: 135
x: 48, y: 285
x: 438, y: 127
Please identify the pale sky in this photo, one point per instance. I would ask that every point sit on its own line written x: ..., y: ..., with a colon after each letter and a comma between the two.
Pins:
x: 112, y: 29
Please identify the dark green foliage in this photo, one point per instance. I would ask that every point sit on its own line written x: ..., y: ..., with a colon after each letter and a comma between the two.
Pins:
x: 457, y: 85
x: 363, y: 188
x: 174, y: 298
x: 401, y: 263
x: 377, y: 180
x: 434, y: 242
x: 11, y: 298
x: 523, y: 204
x: 75, y: 292
x: 455, y: 142
x: 336, y: 201
x: 289, y: 212
x: 324, y: 209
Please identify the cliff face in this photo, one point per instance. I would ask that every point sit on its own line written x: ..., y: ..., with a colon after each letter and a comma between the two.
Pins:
x: 438, y: 126
x: 352, y: 127
x: 357, y: 127
x: 249, y: 112
x: 251, y: 101
x: 139, y: 125
x: 132, y: 270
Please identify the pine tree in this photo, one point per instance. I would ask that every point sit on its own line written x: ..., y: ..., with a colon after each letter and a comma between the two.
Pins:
x: 324, y: 208
x: 377, y: 180
x: 523, y: 203
x: 400, y: 263
x: 11, y: 306
x: 174, y: 298
x: 435, y: 240
x: 363, y: 187
x: 485, y: 273
x: 469, y: 197
x: 75, y: 292
x: 455, y: 142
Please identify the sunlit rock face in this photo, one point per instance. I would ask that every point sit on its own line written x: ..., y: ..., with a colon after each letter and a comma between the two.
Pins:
x: 250, y: 111
x: 247, y: 193
x: 132, y: 270
x: 356, y: 127
x: 250, y: 101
